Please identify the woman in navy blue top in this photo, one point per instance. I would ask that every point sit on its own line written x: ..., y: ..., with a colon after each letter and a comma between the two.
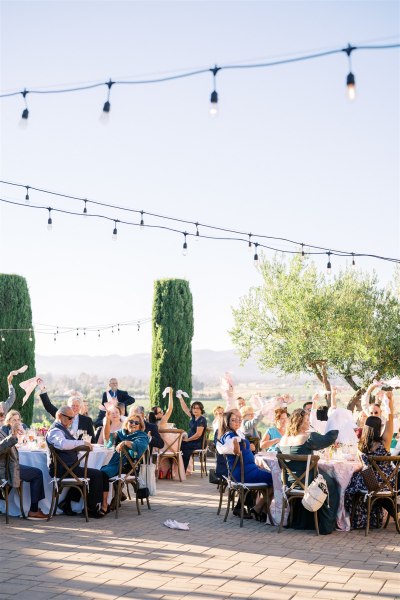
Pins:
x: 197, y: 430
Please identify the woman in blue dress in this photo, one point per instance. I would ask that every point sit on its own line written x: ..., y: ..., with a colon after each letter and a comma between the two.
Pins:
x: 232, y: 442
x: 197, y: 430
x: 132, y: 436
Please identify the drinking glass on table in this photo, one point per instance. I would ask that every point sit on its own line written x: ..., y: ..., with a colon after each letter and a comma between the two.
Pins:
x: 79, y: 433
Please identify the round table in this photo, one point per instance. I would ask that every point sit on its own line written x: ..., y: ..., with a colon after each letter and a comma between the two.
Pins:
x: 38, y: 458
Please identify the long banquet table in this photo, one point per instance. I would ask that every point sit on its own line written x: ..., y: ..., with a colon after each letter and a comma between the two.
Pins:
x: 38, y: 458
x: 340, y: 470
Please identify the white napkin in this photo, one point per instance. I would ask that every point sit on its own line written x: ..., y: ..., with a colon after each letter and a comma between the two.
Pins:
x: 176, y: 525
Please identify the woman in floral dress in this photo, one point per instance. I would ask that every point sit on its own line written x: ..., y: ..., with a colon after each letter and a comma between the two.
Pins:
x: 372, y: 443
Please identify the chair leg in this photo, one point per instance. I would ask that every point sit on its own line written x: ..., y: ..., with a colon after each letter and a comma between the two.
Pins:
x: 117, y: 494
x: 230, y: 499
x: 85, y: 507
x: 316, y: 522
x: 222, y: 488
x: 53, y: 505
x: 268, y: 496
x: 242, y: 500
x: 6, y: 499
x: 21, y: 500
x: 284, y: 506
x: 368, y: 516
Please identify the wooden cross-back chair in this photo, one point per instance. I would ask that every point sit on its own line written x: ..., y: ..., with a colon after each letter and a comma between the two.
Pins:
x: 242, y: 489
x: 64, y: 477
x: 201, y: 453
x: 128, y: 472
x: 6, y: 487
x: 172, y: 450
x: 387, y: 490
x: 296, y: 489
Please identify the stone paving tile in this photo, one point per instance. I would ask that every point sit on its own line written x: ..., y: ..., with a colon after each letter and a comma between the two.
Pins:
x: 137, y: 557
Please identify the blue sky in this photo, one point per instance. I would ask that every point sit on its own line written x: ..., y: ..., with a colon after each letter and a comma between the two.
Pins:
x: 288, y: 154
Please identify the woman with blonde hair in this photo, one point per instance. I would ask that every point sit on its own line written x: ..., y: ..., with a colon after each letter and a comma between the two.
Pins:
x: 298, y: 440
x: 131, y: 436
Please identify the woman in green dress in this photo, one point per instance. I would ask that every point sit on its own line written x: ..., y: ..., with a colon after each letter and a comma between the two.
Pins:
x: 298, y: 440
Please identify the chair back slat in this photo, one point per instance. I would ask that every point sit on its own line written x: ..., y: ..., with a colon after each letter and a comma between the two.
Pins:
x: 299, y: 480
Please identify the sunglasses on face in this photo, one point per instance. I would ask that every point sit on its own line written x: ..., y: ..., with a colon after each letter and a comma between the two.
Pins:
x: 375, y: 413
x: 67, y: 417
x: 236, y: 420
x: 131, y: 422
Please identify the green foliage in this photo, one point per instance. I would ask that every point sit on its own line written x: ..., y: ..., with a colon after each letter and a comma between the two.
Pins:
x: 172, y: 343
x: 297, y: 321
x: 16, y: 350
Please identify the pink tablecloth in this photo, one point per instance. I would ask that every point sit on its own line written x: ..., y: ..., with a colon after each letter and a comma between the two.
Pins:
x: 340, y: 470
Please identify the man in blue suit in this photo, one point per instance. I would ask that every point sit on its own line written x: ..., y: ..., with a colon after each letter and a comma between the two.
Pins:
x: 113, y: 392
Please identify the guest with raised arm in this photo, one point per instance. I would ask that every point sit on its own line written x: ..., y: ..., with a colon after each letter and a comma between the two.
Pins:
x: 115, y: 422
x: 7, y: 404
x: 197, y: 429
x: 372, y: 443
x: 17, y: 472
x: 80, y: 421
x: 113, y: 394
x: 61, y: 439
x: 299, y: 440
x: 157, y: 416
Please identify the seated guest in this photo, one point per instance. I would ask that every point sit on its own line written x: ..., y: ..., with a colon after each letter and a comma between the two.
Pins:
x: 273, y: 435
x: 7, y: 404
x: 372, y: 443
x: 132, y: 436
x: 197, y: 429
x: 249, y: 421
x: 18, y: 472
x: 240, y: 402
x: 115, y: 418
x: 299, y: 440
x: 13, y: 417
x: 64, y: 443
x: 79, y: 421
x: 119, y: 396
x: 157, y: 415
x: 218, y: 412
x: 233, y: 442
x: 151, y: 429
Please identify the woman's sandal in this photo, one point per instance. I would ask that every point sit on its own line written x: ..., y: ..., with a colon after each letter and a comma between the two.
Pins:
x: 255, y: 514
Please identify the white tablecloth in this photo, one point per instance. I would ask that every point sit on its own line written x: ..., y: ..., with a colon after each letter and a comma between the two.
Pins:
x: 340, y: 470
x: 38, y: 458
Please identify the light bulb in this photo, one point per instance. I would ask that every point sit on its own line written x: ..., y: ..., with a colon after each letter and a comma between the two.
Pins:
x: 351, y: 86
x: 27, y: 195
x: 23, y: 123
x: 115, y: 235
x: 141, y: 221
x: 105, y: 113
x: 213, y: 110
x: 184, y: 250
x: 49, y: 224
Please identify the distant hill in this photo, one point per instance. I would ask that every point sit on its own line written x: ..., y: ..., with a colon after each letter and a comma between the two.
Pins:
x: 208, y: 366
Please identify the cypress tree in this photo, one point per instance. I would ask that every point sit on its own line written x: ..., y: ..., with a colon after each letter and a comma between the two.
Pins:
x: 16, y: 349
x: 172, y: 344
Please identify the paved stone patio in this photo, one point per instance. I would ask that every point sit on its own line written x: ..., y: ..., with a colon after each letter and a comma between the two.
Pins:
x: 137, y: 557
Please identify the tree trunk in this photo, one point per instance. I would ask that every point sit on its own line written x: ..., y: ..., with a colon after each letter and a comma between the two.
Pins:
x: 319, y: 367
x: 355, y: 400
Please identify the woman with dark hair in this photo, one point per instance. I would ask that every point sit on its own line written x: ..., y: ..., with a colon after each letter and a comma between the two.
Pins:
x: 274, y: 434
x: 372, y: 443
x: 298, y: 440
x: 232, y: 442
x: 197, y: 429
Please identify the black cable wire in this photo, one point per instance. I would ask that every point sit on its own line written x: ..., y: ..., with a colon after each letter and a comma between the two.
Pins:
x: 178, y: 220
x: 206, y: 70
x: 331, y: 252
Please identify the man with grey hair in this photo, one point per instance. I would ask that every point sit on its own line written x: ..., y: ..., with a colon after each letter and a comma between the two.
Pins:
x: 151, y: 429
x: 81, y: 422
x: 7, y: 404
x: 65, y: 445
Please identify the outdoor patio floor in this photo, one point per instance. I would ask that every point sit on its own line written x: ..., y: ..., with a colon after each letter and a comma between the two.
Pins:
x: 138, y: 557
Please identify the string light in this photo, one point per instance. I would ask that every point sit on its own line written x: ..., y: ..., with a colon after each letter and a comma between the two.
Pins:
x: 30, y: 335
x: 104, y: 117
x: 27, y: 194
x: 77, y: 332
x: 329, y: 266
x: 85, y: 208
x: 256, y: 255
x: 197, y: 237
x: 115, y: 232
x: 3, y: 339
x: 353, y: 262
x: 237, y: 235
x: 213, y: 110
x: 138, y: 327
x: 302, y: 251
x: 49, y: 220
x: 350, y: 80
x: 185, y: 248
x: 141, y: 221
x: 25, y: 113
x: 214, y: 96
x: 98, y: 334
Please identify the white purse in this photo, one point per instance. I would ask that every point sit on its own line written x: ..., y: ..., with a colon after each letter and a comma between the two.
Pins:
x: 316, y: 493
